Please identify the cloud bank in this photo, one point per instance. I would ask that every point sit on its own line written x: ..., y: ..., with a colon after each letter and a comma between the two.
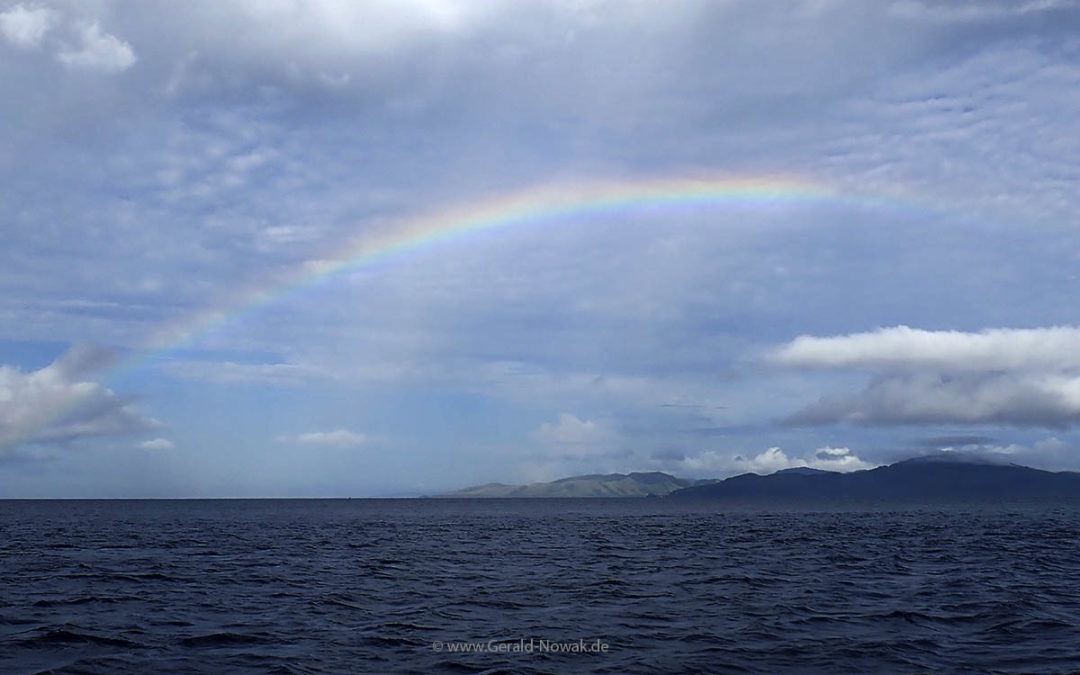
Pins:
x: 1020, y: 377
x: 903, y: 348
x: 772, y: 460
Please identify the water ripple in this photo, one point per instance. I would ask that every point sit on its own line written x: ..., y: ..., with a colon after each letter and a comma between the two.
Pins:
x: 373, y: 586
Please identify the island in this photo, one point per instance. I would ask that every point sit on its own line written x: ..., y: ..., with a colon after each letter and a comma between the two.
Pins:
x: 940, y: 477
x: 943, y: 477
x: 636, y: 484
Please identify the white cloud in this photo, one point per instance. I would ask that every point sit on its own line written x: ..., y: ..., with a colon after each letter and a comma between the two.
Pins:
x: 837, y: 459
x: 339, y: 438
x: 57, y: 403
x: 157, y: 444
x: 903, y: 348
x: 772, y: 460
x: 25, y: 26
x: 571, y: 430
x: 1020, y: 377
x: 349, y: 25
x: 574, y: 438
x: 98, y: 51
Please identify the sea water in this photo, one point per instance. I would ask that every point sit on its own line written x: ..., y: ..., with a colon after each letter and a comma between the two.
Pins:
x: 535, y: 586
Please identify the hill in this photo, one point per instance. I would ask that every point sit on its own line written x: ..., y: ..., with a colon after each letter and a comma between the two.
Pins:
x: 650, y: 484
x: 934, y: 478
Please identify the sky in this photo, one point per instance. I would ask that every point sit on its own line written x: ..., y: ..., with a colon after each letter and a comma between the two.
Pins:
x: 261, y: 248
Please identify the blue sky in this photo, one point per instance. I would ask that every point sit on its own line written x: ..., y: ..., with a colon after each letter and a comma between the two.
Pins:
x: 158, y: 161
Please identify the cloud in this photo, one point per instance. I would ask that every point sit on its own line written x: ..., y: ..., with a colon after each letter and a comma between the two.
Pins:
x: 772, y: 460
x: 570, y: 430
x: 983, y: 10
x: 903, y: 348
x: 928, y: 398
x: 667, y: 454
x: 157, y: 444
x: 954, y: 441
x: 98, y: 51
x: 25, y: 26
x: 339, y: 438
x: 229, y: 372
x: 1050, y: 445
x: 244, y: 137
x: 574, y: 438
x: 317, y: 28
x: 1015, y: 377
x: 82, y: 44
x: 59, y: 404
x: 1050, y: 452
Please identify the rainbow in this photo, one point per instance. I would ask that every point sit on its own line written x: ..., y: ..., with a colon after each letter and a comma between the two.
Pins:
x: 532, y: 206
x: 536, y: 205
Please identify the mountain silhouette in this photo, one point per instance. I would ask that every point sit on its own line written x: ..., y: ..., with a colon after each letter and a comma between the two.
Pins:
x: 638, y: 484
x: 932, y: 478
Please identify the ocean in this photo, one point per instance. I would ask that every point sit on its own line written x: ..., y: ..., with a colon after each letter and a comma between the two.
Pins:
x: 535, y: 586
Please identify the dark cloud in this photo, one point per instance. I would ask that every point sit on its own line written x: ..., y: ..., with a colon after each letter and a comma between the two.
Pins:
x: 928, y: 399
x: 668, y: 454
x: 954, y: 441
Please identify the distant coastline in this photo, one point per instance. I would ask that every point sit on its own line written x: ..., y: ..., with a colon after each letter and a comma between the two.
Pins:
x: 932, y: 478
x: 636, y: 484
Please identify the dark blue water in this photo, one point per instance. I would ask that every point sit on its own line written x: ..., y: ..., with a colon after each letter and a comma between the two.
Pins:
x: 640, y: 586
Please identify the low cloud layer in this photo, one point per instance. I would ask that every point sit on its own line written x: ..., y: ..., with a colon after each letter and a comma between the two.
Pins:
x: 1014, y: 377
x: 1050, y: 452
x: 772, y: 460
x: 59, y: 403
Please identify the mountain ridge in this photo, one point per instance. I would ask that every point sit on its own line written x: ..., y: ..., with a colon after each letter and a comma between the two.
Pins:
x: 929, y: 478
x: 946, y: 476
x: 633, y: 484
